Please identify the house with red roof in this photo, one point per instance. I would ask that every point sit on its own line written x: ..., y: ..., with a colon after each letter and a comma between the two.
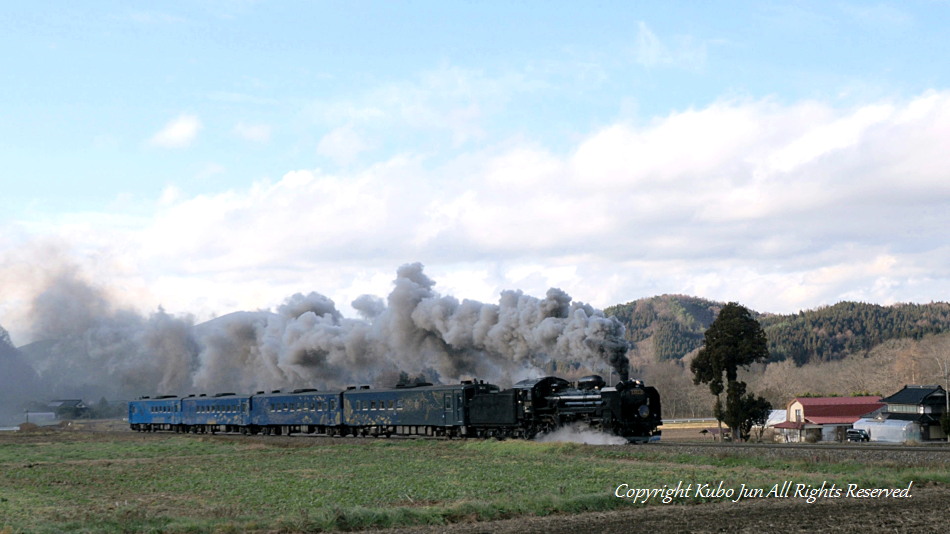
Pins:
x: 824, y: 418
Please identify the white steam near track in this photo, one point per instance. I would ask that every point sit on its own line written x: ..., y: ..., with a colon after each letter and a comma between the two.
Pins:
x: 579, y: 434
x: 308, y: 343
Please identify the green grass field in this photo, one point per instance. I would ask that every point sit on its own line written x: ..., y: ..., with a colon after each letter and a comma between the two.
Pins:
x: 113, y: 483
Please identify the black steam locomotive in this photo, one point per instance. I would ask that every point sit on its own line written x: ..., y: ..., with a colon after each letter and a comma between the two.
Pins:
x: 469, y: 409
x: 531, y: 407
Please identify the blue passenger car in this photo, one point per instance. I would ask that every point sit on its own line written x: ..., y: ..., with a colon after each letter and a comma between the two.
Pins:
x: 158, y: 413
x: 299, y: 411
x: 224, y: 412
x: 411, y: 410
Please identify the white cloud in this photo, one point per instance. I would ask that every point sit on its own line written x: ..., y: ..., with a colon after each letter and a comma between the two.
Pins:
x: 342, y: 145
x: 753, y: 194
x: 781, y: 207
x: 826, y: 137
x: 258, y: 133
x: 178, y: 133
x: 209, y: 170
x: 449, y: 103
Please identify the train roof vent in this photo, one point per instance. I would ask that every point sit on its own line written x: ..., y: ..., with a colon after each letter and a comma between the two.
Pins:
x: 259, y: 393
x: 144, y: 397
x: 364, y: 387
x: 166, y: 396
x: 275, y: 391
x: 203, y: 395
x: 304, y: 390
x: 348, y: 388
x: 467, y: 382
x: 223, y: 394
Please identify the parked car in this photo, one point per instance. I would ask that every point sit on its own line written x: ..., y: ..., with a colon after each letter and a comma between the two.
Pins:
x: 858, y: 435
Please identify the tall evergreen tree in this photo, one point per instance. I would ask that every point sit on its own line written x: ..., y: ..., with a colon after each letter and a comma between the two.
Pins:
x: 734, y: 339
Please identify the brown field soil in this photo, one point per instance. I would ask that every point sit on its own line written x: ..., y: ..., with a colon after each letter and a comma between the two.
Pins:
x: 924, y: 511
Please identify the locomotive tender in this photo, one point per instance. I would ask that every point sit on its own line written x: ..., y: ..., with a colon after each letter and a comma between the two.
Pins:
x: 468, y: 409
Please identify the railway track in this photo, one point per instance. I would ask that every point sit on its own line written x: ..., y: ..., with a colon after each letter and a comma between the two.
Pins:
x: 865, y: 454
x: 869, y: 447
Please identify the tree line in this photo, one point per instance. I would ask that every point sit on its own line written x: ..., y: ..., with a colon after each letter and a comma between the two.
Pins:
x: 668, y: 327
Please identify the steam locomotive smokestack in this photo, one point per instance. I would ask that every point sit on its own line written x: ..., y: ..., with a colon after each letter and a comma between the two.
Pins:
x: 618, y: 356
x: 624, y: 374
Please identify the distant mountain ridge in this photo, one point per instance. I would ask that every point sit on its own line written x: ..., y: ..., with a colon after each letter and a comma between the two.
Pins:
x: 671, y: 326
x: 17, y: 378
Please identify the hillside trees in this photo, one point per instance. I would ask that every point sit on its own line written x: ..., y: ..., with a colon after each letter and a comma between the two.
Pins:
x: 672, y: 326
x: 832, y: 332
x: 734, y: 340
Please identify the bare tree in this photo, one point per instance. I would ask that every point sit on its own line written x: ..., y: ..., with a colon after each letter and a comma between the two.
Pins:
x: 935, y: 351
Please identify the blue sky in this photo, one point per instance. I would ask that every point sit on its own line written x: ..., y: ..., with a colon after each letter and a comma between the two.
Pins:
x: 214, y: 156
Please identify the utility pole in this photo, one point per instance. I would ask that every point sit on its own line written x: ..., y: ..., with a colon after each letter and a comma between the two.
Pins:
x: 944, y: 366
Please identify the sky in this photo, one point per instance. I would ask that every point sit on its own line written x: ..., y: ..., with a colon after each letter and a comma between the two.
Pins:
x: 213, y: 156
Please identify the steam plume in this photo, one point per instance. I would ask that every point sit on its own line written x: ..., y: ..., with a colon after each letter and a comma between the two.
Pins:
x: 579, y: 434
x: 308, y: 342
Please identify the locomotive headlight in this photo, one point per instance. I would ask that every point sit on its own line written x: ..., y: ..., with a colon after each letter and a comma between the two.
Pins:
x: 644, y: 411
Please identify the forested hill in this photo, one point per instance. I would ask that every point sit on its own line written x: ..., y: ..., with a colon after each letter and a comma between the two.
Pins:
x: 671, y: 326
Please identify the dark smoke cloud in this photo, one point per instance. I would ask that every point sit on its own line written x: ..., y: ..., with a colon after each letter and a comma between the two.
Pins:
x: 308, y: 342
x: 88, y: 348
x: 298, y: 305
